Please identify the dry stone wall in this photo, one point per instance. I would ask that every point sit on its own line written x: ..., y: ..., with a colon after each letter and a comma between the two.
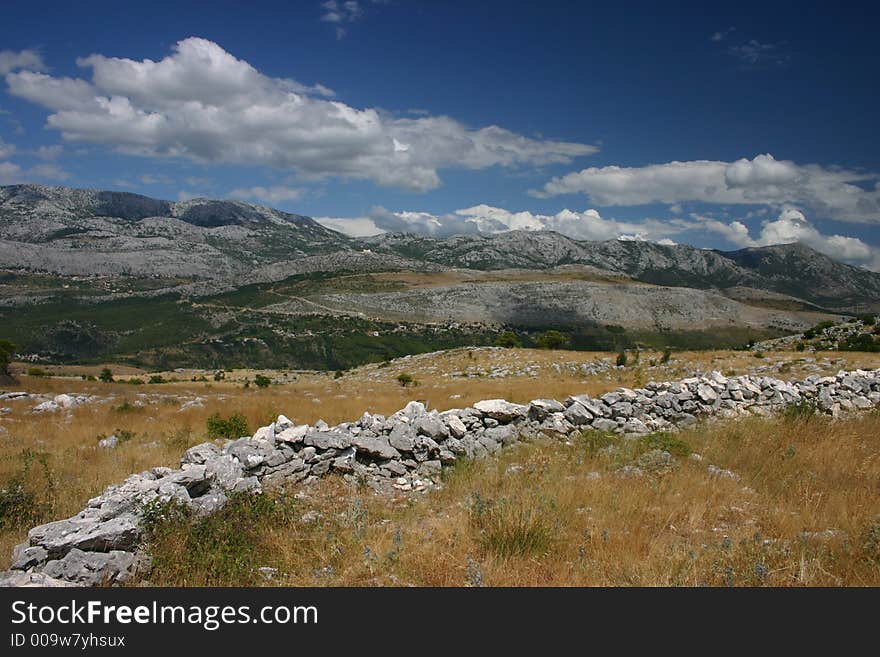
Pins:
x: 404, y: 451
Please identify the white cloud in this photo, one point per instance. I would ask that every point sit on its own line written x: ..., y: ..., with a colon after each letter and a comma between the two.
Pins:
x: 792, y: 226
x: 829, y: 192
x: 6, y: 150
x: 203, y: 104
x: 12, y: 173
x: 723, y: 34
x: 49, y: 172
x: 49, y: 152
x: 753, y: 52
x: 353, y: 227
x: 275, y: 194
x: 487, y: 220
x: 155, y: 179
x: 11, y: 60
x: 346, y: 11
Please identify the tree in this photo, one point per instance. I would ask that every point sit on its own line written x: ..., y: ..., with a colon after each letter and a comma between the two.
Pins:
x: 508, y: 339
x: 405, y: 379
x: 551, y: 340
x: 7, y: 351
x: 106, y: 375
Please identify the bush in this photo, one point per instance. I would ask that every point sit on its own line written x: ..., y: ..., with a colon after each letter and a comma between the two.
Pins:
x: 508, y: 339
x: 551, y: 340
x: 231, y: 428
x: 262, y: 381
x: 338, y: 374
x: 406, y: 379
x: 868, y: 320
x: 157, y: 378
x: 28, y: 496
x: 667, y: 355
x: 37, y: 371
x: 758, y: 354
x: 621, y: 359
x: 7, y: 351
x: 106, y: 375
x: 219, y: 375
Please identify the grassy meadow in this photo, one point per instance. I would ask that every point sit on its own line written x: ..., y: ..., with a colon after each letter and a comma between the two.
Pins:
x: 796, y: 503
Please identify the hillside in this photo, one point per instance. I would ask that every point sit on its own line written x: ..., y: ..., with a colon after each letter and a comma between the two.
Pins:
x: 212, y: 283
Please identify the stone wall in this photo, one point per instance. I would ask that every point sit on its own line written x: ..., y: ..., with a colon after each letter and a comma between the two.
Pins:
x: 404, y: 451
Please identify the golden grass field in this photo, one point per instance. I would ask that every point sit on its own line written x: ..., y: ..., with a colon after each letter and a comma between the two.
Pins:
x: 805, y: 511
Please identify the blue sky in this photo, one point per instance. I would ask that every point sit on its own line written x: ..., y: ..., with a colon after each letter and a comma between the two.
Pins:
x: 752, y: 124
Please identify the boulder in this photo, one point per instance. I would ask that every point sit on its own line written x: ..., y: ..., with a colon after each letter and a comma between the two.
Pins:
x: 379, y: 447
x: 501, y: 410
x: 328, y: 439
x: 198, y: 454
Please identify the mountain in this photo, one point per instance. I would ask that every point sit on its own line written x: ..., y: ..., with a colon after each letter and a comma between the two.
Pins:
x: 792, y: 270
x: 211, y: 245
x: 97, y: 276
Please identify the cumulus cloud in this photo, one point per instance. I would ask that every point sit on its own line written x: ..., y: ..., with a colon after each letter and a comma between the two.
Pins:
x: 829, y: 192
x: 202, y: 103
x: 792, y: 226
x: 274, y: 194
x: 11, y: 60
x: 12, y: 173
x: 488, y: 220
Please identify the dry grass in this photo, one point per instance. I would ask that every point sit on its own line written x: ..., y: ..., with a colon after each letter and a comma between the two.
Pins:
x: 552, y: 522
x: 806, y: 512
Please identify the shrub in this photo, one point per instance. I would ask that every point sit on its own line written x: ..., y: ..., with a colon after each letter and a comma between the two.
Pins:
x: 157, y: 378
x: 231, y: 428
x: 868, y: 320
x: 37, y: 371
x: 219, y: 375
x: 338, y: 374
x: 621, y: 359
x: 28, y: 496
x: 667, y: 355
x: 262, y: 381
x: 508, y: 339
x: 758, y: 354
x: 7, y: 351
x: 551, y: 340
x: 405, y: 379
x: 106, y: 375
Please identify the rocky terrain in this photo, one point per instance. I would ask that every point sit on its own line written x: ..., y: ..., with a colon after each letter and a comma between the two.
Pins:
x: 404, y: 451
x: 206, y: 245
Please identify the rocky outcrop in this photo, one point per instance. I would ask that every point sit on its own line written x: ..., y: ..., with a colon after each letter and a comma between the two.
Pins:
x: 404, y: 451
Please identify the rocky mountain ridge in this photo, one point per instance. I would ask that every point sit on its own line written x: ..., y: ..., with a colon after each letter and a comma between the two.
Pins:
x: 81, y: 232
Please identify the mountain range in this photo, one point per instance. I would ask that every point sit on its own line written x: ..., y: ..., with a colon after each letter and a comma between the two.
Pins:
x: 66, y: 251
